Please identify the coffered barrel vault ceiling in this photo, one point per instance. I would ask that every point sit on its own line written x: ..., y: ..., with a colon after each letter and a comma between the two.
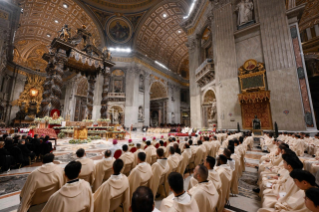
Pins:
x: 154, y: 25
x: 39, y: 24
x: 160, y: 36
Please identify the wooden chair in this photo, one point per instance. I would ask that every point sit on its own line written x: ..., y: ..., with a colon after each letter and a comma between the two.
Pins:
x: 165, y: 143
x: 117, y: 154
x: 117, y: 202
x: 107, y: 174
x: 41, y: 196
x: 133, y: 149
x: 162, y: 183
x: 145, y: 147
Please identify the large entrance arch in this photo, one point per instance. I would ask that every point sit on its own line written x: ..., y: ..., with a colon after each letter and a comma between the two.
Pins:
x: 158, y: 106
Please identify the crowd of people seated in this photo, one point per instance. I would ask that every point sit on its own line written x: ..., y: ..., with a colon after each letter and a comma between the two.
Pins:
x: 17, y: 151
x: 134, y: 179
x: 148, y: 170
x: 284, y: 183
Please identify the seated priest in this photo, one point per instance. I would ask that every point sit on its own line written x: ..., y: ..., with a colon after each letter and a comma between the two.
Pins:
x: 280, y: 192
x: 103, y: 168
x: 87, y: 171
x: 143, y: 200
x: 204, y: 192
x: 200, y: 153
x: 75, y: 195
x: 173, y: 161
x: 150, y: 152
x: 225, y: 174
x: 213, y: 175
x: 162, y: 146
x: 160, y: 169
x: 28, y: 155
x: 116, y: 185
x: 296, y: 202
x: 141, y: 174
x: 312, y: 200
x: 47, y: 175
x: 128, y: 159
x: 171, y: 142
x: 179, y: 200
x: 114, y: 147
x: 139, y: 149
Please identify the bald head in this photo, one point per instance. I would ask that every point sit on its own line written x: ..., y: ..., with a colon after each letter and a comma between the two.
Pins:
x: 142, y: 200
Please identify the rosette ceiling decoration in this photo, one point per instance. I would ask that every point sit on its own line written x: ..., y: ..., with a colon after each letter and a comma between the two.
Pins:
x: 148, y: 27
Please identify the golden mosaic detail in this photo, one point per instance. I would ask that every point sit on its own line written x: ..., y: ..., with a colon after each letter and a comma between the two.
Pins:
x: 4, y: 15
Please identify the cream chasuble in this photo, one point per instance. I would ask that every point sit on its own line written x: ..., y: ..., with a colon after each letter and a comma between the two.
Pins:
x: 150, y: 151
x: 116, y: 185
x: 225, y: 175
x: 141, y: 174
x: 72, y: 197
x: 205, y: 195
x: 100, y: 168
x: 172, y: 204
x: 87, y: 170
x: 44, y: 176
x: 159, y: 169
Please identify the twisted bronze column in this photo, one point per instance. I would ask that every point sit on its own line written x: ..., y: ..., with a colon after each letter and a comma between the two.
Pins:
x: 91, y: 80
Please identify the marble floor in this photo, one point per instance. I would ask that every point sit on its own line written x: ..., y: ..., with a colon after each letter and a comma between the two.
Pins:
x: 12, y: 182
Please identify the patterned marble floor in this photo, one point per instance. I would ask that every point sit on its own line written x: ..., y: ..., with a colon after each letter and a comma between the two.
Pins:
x: 12, y: 182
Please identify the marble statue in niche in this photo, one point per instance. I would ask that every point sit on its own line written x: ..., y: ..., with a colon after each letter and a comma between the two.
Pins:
x: 116, y: 117
x: 140, y: 114
x: 245, y: 10
x: 213, y: 111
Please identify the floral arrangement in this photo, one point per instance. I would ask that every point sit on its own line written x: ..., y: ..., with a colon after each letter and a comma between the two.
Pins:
x: 61, y: 135
x: 104, y: 120
x: 95, y: 137
x: 67, y: 131
x: 49, y: 120
x: 79, y: 141
x: 88, y: 120
x: 96, y: 131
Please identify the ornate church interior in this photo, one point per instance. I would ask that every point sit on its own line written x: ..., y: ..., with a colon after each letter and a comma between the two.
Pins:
x: 159, y: 105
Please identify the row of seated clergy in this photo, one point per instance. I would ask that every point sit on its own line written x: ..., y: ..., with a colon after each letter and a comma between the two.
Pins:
x: 281, y: 192
x: 159, y: 169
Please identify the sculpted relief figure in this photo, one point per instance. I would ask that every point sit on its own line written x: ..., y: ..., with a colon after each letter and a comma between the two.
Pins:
x: 213, y: 111
x: 245, y: 12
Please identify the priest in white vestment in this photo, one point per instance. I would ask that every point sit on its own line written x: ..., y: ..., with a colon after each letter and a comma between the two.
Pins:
x: 143, y: 200
x: 213, y: 175
x: 160, y: 170
x: 74, y: 196
x: 179, y: 200
x: 49, y: 174
x: 128, y: 159
x: 204, y: 192
x: 150, y: 152
x: 312, y: 200
x: 115, y: 186
x: 88, y: 167
x: 225, y: 174
x: 139, y: 149
x: 304, y: 180
x: 272, y: 195
x: 103, y: 169
x: 114, y: 147
x: 141, y: 174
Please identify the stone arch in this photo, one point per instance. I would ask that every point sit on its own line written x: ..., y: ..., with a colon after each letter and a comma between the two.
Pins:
x: 158, y: 90
x: 209, y: 96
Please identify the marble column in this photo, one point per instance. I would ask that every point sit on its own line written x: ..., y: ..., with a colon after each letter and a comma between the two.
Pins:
x: 195, y: 97
x: 91, y: 80
x: 106, y: 80
x: 227, y: 89
x: 285, y: 101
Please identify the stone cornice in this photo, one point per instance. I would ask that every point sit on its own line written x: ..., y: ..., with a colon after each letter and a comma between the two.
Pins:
x: 193, y: 17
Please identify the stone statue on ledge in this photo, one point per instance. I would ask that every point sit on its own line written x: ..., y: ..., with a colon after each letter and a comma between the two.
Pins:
x: 245, y: 12
x: 256, y: 124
